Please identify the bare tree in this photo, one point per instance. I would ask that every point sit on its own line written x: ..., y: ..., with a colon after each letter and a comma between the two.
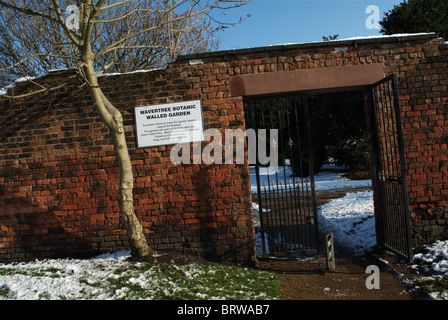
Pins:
x: 80, y: 38
x: 22, y: 34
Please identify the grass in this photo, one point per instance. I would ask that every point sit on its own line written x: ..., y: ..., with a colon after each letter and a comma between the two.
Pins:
x: 432, y: 286
x: 194, y: 281
x: 3, y: 292
x: 84, y: 279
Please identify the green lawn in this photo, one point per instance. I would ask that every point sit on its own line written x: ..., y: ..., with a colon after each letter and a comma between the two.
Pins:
x: 121, y: 279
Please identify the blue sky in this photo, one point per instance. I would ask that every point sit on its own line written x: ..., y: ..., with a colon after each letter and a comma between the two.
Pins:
x: 294, y: 21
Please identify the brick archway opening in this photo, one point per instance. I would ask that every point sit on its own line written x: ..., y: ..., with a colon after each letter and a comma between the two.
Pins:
x: 283, y: 223
x: 319, y: 81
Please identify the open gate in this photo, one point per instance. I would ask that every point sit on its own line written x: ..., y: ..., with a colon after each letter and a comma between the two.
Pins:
x: 287, y: 205
x: 392, y: 215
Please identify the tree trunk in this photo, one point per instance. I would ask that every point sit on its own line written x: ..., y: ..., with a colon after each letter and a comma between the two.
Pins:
x: 139, y: 245
x: 113, y: 119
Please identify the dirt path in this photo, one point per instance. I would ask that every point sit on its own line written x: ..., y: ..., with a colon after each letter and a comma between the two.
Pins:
x: 309, y: 279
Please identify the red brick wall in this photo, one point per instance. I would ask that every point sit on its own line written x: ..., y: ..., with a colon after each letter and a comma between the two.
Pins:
x: 424, y: 102
x: 422, y: 70
x: 59, y: 179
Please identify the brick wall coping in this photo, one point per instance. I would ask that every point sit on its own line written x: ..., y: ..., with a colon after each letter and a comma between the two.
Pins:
x: 282, y: 47
x: 312, y: 45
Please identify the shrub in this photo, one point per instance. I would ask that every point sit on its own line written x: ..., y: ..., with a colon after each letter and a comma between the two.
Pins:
x: 353, y: 152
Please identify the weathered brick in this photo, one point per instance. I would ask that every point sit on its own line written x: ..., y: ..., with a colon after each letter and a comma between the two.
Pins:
x: 69, y: 155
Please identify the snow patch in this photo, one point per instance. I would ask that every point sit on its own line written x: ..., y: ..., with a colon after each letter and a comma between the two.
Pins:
x: 383, y: 36
x: 120, y: 255
x: 434, y: 259
x: 352, y: 220
x: 130, y: 72
x: 281, y: 178
x: 397, y: 35
x: 4, y: 90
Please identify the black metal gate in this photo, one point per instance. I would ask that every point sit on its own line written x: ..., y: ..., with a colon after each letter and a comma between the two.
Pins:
x: 391, y: 194
x: 285, y: 193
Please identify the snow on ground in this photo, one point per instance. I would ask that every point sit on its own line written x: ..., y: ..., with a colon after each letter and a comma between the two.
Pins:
x: 435, y: 259
x: 111, y: 277
x: 352, y: 221
x: 350, y: 218
x: 324, y: 181
x: 59, y: 278
x: 432, y: 264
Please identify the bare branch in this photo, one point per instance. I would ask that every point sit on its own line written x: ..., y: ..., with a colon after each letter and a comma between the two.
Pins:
x: 28, y: 11
x: 125, y: 16
x: 34, y: 92
x: 123, y: 35
x: 73, y: 37
x: 105, y: 68
x: 158, y: 25
x: 152, y: 29
x: 101, y: 2
x: 37, y: 55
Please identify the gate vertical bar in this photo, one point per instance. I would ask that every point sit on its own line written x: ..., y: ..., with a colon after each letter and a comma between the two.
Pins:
x: 397, y: 194
x: 403, y: 166
x: 257, y: 176
x: 276, y: 218
x: 291, y: 185
x: 299, y: 197
x: 287, y: 210
x: 376, y: 156
x: 311, y: 169
x: 387, y: 151
x: 283, y: 187
x: 391, y: 194
x: 281, y: 195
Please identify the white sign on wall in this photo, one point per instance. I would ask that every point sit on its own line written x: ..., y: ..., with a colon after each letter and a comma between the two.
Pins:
x: 170, y: 123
